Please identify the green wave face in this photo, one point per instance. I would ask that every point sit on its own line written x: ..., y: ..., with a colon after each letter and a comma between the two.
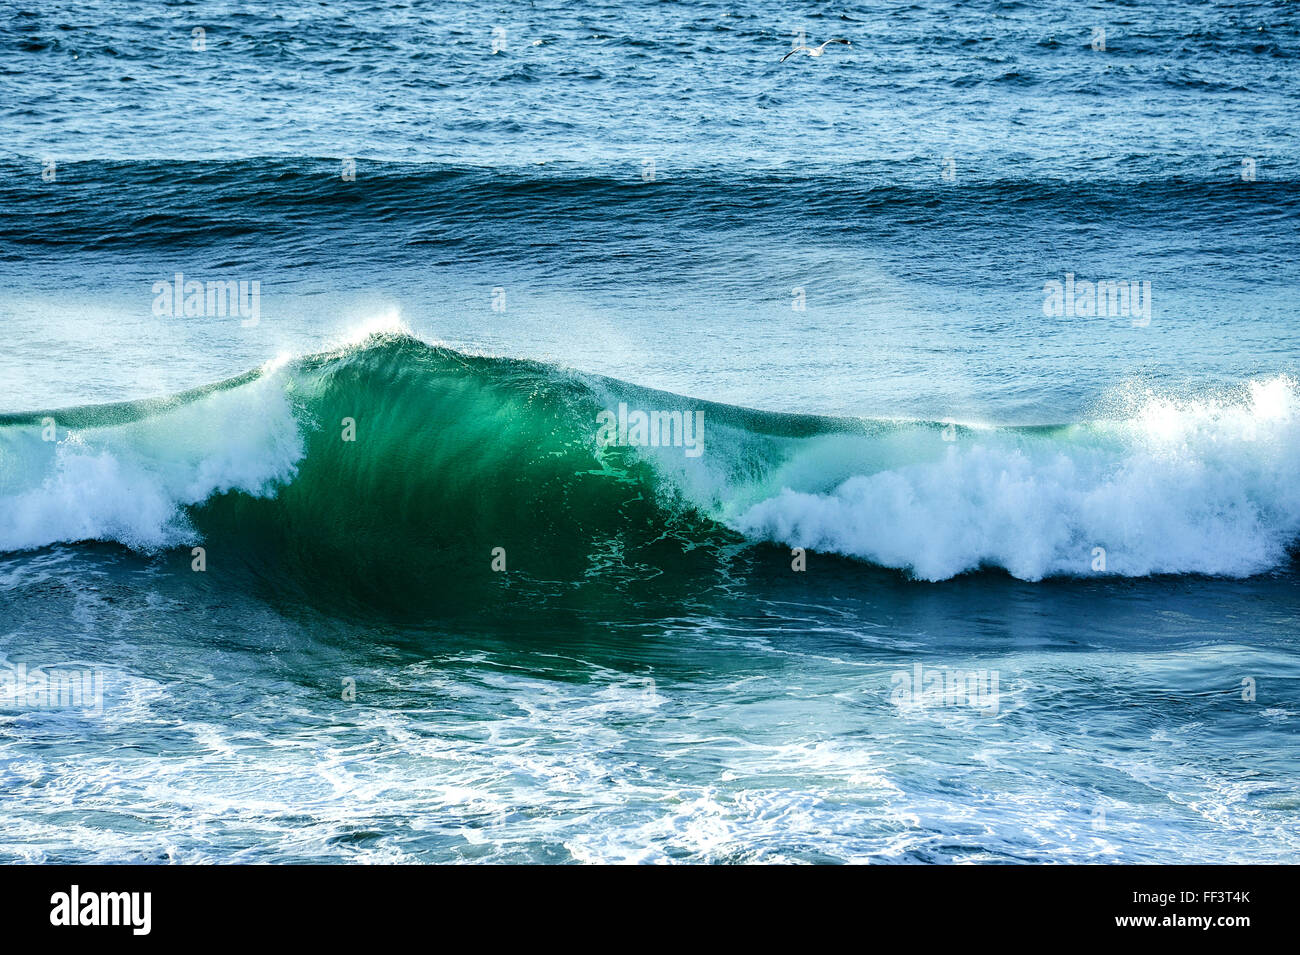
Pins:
x: 425, y: 471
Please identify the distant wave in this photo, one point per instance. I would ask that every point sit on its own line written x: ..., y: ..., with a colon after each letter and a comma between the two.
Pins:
x: 243, y: 205
x: 456, y: 455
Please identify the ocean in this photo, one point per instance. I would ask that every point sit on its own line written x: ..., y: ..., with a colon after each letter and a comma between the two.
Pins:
x: 549, y: 433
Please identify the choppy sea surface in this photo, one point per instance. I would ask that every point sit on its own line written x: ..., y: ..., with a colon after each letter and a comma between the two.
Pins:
x: 969, y: 533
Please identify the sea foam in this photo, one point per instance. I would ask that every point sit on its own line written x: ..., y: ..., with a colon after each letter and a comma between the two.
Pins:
x: 1174, y: 487
x: 130, y: 482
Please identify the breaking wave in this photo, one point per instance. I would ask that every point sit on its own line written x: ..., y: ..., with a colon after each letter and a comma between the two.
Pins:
x: 452, y: 456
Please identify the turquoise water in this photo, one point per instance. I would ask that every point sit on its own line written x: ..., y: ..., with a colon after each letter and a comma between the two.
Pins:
x: 349, y: 571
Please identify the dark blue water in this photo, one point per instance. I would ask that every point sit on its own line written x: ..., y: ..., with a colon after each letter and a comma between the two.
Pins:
x: 1077, y: 516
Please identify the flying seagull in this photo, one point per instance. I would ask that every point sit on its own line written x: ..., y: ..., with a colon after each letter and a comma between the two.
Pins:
x: 813, y: 50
